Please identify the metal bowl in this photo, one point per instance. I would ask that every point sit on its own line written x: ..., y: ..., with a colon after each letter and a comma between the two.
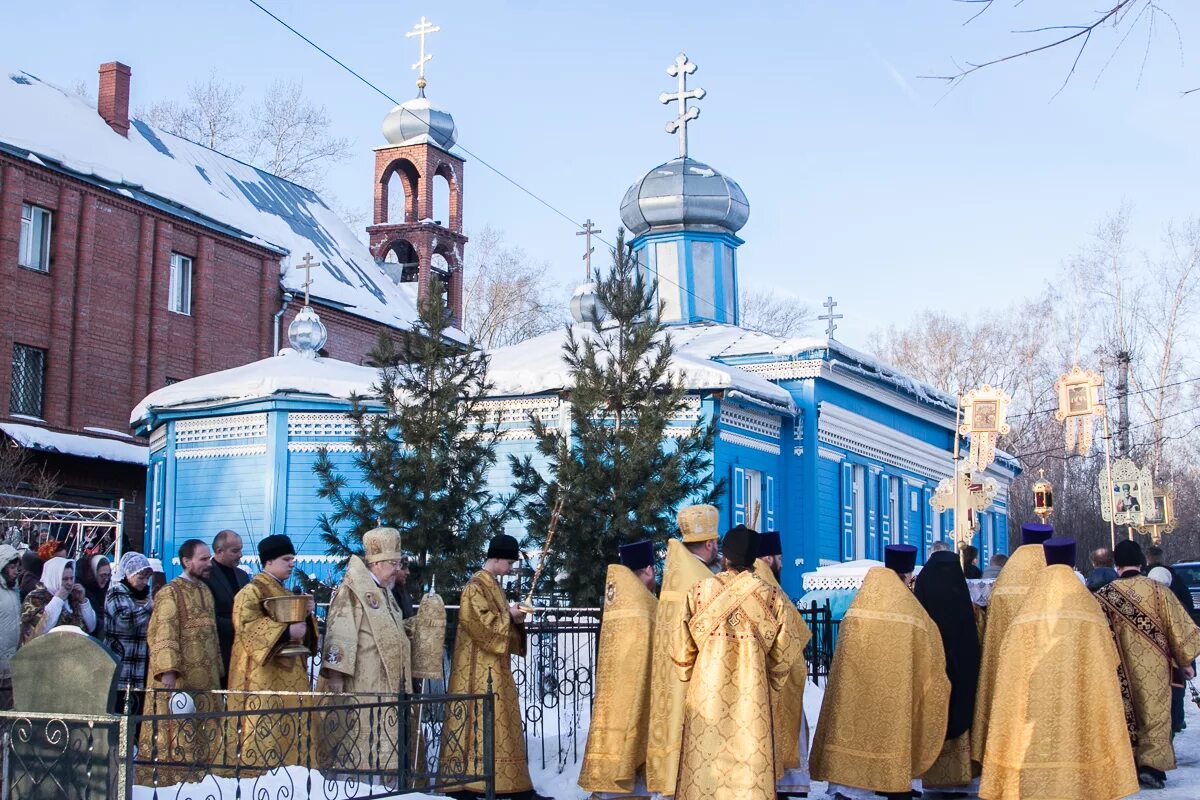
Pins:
x: 288, y: 608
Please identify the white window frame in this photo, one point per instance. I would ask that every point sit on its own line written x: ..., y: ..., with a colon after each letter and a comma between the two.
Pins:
x: 179, y: 291
x: 34, y: 250
x: 753, y: 483
x: 860, y: 510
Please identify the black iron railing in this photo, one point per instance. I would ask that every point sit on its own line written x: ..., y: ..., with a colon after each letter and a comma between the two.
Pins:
x: 824, y: 628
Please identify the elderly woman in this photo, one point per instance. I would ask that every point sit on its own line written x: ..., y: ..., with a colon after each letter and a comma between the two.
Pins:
x: 56, y: 601
x: 95, y: 574
x: 128, y: 608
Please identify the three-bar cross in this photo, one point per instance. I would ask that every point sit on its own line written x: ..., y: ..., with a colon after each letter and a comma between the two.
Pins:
x: 308, y: 265
x: 829, y: 316
x: 421, y: 30
x: 680, y: 70
x: 588, y: 230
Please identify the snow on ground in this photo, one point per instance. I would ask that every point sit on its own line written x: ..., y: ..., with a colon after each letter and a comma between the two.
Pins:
x: 292, y: 782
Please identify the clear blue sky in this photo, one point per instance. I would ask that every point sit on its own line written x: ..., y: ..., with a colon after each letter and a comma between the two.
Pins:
x: 862, y: 185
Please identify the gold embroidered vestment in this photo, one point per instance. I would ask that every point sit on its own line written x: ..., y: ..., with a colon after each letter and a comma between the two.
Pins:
x: 787, y: 704
x: 616, y: 743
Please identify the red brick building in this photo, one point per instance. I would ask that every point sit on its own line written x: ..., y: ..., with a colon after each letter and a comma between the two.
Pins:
x: 131, y: 258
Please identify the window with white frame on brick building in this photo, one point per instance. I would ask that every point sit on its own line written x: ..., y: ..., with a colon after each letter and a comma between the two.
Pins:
x: 28, y: 381
x: 179, y: 292
x: 34, y: 248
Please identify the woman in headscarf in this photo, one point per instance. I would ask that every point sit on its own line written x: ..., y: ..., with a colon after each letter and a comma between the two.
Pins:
x: 56, y: 601
x: 31, y: 572
x: 95, y: 574
x: 128, y: 608
x: 942, y: 590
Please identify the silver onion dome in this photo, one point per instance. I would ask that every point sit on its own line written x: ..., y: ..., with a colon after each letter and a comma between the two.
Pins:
x: 307, y: 333
x: 684, y: 193
x: 418, y: 122
x: 586, y: 308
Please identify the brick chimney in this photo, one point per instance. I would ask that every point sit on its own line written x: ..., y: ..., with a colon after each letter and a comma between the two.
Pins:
x: 113, y: 104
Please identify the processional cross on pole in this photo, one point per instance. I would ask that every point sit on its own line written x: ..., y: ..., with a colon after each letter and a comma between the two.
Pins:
x: 308, y: 265
x: 829, y: 305
x: 588, y: 230
x: 421, y: 30
x: 680, y: 70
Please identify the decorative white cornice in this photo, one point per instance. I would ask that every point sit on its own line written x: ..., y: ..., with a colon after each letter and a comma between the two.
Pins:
x: 328, y: 424
x: 234, y: 451
x: 829, y: 455
x: 313, y: 447
x: 218, y: 429
x: 857, y: 434
x: 746, y: 441
x: 750, y: 420
x: 158, y: 438
x: 785, y: 370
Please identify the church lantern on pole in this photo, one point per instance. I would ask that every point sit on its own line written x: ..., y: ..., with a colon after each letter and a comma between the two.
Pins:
x: 1043, y: 498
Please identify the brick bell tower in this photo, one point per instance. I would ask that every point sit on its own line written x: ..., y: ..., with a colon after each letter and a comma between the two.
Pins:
x: 413, y: 244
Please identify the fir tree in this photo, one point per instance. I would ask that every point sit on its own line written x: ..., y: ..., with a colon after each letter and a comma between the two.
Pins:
x: 619, y: 477
x: 424, y: 450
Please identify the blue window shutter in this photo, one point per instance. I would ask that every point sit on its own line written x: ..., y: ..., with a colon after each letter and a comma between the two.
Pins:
x: 927, y: 513
x: 847, y: 511
x: 885, y: 510
x: 871, y: 503
x: 739, y: 496
x: 769, y: 517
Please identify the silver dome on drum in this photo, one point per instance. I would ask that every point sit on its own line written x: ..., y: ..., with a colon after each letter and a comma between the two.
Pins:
x: 416, y: 121
x: 684, y: 193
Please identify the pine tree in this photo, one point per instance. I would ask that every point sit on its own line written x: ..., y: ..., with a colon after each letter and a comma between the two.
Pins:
x: 619, y: 477
x: 424, y: 449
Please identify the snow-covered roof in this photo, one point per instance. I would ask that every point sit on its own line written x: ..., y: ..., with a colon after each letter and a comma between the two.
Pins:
x: 287, y: 372
x: 536, y: 366
x: 53, y: 128
x: 36, y: 437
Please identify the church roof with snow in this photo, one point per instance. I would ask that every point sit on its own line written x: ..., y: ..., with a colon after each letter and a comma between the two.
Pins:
x: 55, y: 129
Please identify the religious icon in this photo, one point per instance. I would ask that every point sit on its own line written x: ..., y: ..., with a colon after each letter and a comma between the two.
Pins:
x: 1126, y: 500
x: 984, y: 410
x: 1161, y: 519
x: 1079, y: 403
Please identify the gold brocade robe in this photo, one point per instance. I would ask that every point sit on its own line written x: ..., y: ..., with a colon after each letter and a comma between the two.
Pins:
x: 736, y: 649
x: 182, y: 638
x: 787, y: 704
x: 681, y: 572
x: 954, y: 767
x: 365, y: 642
x: 1134, y: 607
x: 616, y: 743
x: 1057, y: 728
x: 268, y: 741
x: 1008, y: 593
x: 486, y: 638
x: 887, y: 701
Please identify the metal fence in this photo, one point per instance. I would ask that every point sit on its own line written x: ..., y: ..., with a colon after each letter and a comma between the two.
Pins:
x: 261, y: 745
x: 824, y: 628
x: 83, y: 529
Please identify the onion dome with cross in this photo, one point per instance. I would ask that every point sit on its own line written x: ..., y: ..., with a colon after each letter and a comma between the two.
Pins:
x: 685, y: 216
x: 417, y: 121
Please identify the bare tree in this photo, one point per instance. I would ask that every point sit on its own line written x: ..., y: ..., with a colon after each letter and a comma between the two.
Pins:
x: 84, y: 92
x: 507, y: 298
x: 290, y: 137
x: 23, y: 474
x: 775, y: 313
x: 210, y: 116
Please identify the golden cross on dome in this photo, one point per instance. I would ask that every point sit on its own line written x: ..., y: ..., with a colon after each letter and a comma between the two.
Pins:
x: 308, y: 265
x: 421, y: 30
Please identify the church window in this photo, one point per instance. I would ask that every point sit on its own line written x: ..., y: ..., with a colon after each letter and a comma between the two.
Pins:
x: 704, y: 281
x: 28, y: 380
x: 179, y: 291
x: 727, y: 267
x: 860, y: 512
x: 34, y: 249
x: 666, y: 273
x: 752, y: 492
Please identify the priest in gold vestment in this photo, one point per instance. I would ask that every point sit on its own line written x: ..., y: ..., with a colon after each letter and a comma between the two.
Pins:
x: 883, y: 720
x: 366, y: 650
x: 1057, y: 727
x: 737, y: 646
x: 1154, y: 637
x: 787, y: 704
x: 616, y: 742
x: 1008, y: 593
x: 256, y: 665
x: 687, y: 564
x: 490, y: 631
x: 185, y: 656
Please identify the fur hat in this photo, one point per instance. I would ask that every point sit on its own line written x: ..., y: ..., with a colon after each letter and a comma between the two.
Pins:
x: 275, y: 546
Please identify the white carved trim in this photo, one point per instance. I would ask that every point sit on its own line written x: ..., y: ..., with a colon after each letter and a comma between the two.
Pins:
x: 825, y: 562
x: 222, y: 452
x: 158, y: 438
x: 517, y: 435
x: 217, y: 429
x: 750, y: 420
x: 313, y: 447
x: 829, y: 455
x: 746, y: 441
x: 798, y: 451
x: 331, y: 424
x: 518, y: 410
x: 785, y: 370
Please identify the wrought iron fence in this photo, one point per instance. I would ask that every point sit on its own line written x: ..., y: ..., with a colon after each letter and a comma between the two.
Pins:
x: 83, y: 529
x: 266, y: 745
x: 824, y: 628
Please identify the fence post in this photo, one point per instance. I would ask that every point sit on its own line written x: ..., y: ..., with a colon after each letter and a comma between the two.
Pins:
x: 489, y: 744
x: 404, y: 707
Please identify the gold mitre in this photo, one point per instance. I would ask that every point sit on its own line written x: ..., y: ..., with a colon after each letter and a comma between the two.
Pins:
x: 698, y: 523
x: 381, y: 544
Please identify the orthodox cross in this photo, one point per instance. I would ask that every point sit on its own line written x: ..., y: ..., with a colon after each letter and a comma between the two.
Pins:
x: 421, y: 30
x: 680, y: 70
x: 967, y: 497
x: 308, y: 265
x: 829, y: 305
x: 588, y: 230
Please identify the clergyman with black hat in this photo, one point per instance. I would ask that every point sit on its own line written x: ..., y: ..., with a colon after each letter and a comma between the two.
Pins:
x: 1154, y: 635
x: 1057, y: 723
x: 883, y: 719
x: 737, y: 645
x: 258, y: 664
x: 490, y: 630
x: 1008, y: 593
x: 787, y: 704
x: 615, y: 755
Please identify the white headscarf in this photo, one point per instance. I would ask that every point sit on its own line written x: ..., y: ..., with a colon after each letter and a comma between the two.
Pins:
x: 52, y: 572
x: 1161, y: 574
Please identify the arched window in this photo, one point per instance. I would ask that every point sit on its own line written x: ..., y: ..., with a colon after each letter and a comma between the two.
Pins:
x: 401, y: 262
x: 441, y: 199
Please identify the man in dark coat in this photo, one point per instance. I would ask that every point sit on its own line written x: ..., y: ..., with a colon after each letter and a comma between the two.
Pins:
x: 1179, y: 588
x: 226, y: 580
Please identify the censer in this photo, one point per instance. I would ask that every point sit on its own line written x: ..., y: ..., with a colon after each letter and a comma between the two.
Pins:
x: 289, y: 609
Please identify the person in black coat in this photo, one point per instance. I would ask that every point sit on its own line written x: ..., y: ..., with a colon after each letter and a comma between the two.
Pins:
x: 226, y: 580
x: 1179, y: 588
